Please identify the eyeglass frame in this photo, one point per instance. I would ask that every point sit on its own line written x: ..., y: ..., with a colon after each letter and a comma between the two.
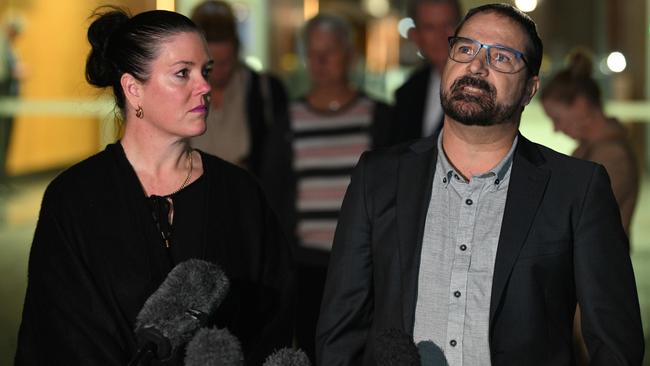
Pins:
x: 518, y: 54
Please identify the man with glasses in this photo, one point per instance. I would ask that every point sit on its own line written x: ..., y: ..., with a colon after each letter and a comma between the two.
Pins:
x: 476, y: 242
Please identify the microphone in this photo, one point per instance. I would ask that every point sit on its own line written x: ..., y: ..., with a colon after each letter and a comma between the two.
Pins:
x: 393, y: 347
x: 287, y: 357
x: 180, y: 306
x: 214, y: 347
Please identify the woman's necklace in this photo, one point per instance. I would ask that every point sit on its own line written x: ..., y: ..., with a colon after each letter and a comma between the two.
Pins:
x: 187, y: 179
x: 163, y: 207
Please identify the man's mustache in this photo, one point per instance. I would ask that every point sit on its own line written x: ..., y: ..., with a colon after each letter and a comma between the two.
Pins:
x: 473, y: 82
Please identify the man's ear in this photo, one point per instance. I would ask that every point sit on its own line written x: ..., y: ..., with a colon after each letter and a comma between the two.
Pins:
x: 532, y: 85
x: 132, y: 88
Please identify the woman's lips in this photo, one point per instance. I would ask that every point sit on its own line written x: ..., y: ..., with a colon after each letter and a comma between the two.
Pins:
x: 200, y: 109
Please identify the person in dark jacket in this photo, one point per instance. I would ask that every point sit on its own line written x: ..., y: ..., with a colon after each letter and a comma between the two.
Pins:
x: 112, y: 227
x: 417, y: 110
x: 248, y: 123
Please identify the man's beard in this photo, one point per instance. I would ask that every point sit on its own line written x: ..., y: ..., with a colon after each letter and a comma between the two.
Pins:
x: 476, y: 110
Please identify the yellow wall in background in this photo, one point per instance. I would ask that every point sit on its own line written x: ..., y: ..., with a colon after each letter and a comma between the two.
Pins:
x: 53, y: 49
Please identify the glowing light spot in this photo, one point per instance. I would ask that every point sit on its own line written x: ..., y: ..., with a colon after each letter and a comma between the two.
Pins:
x: 526, y: 5
x: 404, y: 25
x: 616, y: 62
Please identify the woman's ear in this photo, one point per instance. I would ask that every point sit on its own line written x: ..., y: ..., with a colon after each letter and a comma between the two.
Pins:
x: 132, y: 88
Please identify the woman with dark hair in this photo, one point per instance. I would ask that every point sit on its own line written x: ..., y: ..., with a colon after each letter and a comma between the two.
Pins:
x: 113, y: 226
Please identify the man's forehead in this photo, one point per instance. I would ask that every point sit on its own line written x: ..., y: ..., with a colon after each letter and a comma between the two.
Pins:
x: 494, y: 28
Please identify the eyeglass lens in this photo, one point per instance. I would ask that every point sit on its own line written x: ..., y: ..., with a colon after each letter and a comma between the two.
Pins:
x: 499, y: 58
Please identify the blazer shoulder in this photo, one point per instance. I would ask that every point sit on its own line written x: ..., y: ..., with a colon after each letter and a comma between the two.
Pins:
x: 562, y: 166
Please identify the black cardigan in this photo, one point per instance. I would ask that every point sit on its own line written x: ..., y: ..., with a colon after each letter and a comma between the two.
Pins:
x: 97, y: 256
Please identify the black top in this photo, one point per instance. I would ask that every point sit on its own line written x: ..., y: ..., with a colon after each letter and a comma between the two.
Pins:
x: 97, y: 256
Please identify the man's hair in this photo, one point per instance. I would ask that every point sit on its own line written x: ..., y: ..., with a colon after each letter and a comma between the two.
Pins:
x: 216, y: 19
x: 534, y: 48
x: 412, y: 10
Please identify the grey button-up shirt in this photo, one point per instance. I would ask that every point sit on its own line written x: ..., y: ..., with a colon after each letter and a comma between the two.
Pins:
x: 459, y: 248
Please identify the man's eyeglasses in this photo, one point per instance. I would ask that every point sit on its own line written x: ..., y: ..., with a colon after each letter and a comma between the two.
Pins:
x: 499, y: 58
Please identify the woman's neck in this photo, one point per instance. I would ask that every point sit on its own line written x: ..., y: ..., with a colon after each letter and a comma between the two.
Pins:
x: 161, y: 165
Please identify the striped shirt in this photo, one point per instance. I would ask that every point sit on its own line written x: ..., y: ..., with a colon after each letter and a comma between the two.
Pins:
x: 326, y: 146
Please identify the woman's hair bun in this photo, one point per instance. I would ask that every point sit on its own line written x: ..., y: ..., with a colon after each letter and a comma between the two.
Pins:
x: 100, y: 69
x: 580, y: 64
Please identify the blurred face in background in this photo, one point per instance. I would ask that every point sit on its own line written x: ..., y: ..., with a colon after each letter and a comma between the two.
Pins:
x: 328, y: 58
x: 224, y: 55
x: 568, y: 118
x: 434, y: 24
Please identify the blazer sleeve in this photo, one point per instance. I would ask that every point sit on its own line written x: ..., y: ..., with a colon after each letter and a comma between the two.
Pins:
x: 347, y: 305
x: 65, y: 321
x: 605, y: 285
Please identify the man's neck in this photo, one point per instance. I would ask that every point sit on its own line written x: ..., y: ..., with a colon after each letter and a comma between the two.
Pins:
x: 474, y: 150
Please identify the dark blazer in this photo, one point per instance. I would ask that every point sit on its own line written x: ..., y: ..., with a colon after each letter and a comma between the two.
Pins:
x: 561, y: 241
x: 410, y: 102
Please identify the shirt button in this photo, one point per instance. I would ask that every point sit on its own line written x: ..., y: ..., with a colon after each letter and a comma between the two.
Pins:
x: 497, y: 181
x: 444, y: 179
x: 469, y: 202
x: 457, y: 293
x: 463, y: 247
x: 453, y: 343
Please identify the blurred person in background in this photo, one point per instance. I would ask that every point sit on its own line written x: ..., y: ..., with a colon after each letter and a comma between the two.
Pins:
x: 572, y: 99
x: 112, y: 227
x: 332, y: 125
x: 417, y: 110
x: 10, y: 75
x: 248, y: 121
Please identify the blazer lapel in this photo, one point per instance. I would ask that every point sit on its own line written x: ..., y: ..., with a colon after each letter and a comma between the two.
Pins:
x: 415, y: 174
x: 525, y: 192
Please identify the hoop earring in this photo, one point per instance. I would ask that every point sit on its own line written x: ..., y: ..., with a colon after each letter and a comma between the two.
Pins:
x: 139, y: 112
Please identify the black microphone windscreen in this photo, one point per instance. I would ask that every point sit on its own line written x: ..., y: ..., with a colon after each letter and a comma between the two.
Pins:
x: 214, y: 347
x: 180, y: 306
x: 393, y: 347
x: 287, y: 357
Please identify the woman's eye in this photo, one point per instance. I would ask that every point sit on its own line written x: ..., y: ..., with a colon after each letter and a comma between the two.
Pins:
x: 182, y: 73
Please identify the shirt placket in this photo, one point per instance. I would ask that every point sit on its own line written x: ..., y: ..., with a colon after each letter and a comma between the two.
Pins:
x: 468, y: 200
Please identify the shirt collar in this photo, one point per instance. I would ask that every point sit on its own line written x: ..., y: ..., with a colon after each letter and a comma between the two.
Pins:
x: 499, y: 171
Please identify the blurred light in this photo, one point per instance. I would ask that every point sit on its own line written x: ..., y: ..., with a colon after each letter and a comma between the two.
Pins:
x: 526, y: 5
x: 404, y: 25
x: 166, y: 5
x: 310, y: 8
x: 254, y: 63
x: 616, y: 62
x: 376, y: 8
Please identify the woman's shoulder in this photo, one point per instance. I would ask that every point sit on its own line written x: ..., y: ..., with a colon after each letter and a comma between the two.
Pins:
x: 85, y: 176
x: 217, y: 168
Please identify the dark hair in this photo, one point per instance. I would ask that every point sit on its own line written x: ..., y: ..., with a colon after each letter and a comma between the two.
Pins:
x: 217, y: 21
x: 412, y: 10
x: 573, y: 81
x: 334, y: 24
x: 124, y: 44
x: 534, y: 49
